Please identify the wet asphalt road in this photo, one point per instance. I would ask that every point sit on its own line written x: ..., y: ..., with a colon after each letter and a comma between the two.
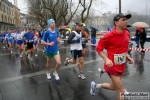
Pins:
x: 21, y: 79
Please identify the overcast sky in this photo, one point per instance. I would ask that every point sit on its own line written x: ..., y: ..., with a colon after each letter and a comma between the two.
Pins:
x: 138, y: 6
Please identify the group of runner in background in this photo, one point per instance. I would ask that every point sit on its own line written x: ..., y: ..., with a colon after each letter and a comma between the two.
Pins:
x: 28, y: 40
x: 25, y: 40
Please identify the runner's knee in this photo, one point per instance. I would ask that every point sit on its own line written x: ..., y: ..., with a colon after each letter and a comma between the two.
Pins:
x: 81, y: 61
x: 59, y: 63
x: 120, y: 88
x: 112, y: 87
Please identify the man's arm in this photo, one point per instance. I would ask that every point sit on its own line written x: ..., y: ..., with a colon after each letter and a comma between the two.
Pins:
x: 71, y: 36
x: 44, y: 39
x: 103, y: 43
x: 102, y: 54
x: 130, y: 59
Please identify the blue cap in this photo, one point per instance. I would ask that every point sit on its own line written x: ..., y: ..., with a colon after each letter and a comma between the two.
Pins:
x: 50, y: 21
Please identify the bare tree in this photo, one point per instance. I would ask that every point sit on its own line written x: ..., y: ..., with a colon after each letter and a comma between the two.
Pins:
x: 86, y: 9
x: 62, y: 11
x: 70, y: 13
x: 88, y: 5
x: 38, y: 12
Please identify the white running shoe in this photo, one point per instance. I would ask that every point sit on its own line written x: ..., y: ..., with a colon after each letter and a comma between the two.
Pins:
x: 66, y: 62
x: 31, y: 59
x: 48, y: 76
x: 56, y: 76
x: 100, y: 72
x: 36, y: 55
x: 81, y: 76
x: 20, y: 55
x: 93, y: 88
x: 28, y: 56
x: 126, y: 92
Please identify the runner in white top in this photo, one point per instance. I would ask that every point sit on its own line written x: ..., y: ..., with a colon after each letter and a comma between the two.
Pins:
x: 20, y: 43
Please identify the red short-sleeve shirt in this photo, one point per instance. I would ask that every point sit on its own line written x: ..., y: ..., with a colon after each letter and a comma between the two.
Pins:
x: 116, y: 45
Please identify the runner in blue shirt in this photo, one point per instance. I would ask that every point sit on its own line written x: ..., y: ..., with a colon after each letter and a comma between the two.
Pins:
x: 2, y: 38
x: 29, y: 37
x: 51, y: 40
x: 10, y: 39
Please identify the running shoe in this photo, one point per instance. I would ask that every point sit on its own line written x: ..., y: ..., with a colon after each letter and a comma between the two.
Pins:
x: 93, y: 88
x: 100, y: 72
x: 82, y: 76
x: 66, y: 62
x: 36, y: 55
x: 48, y: 76
x: 56, y: 76
x: 20, y: 55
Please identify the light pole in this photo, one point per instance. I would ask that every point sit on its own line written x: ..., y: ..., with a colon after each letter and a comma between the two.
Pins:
x: 146, y: 14
x: 119, y: 6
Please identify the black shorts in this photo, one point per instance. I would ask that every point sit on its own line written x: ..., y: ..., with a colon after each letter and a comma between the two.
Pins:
x: 29, y: 45
x: 83, y: 46
x: 76, y: 53
x: 24, y: 42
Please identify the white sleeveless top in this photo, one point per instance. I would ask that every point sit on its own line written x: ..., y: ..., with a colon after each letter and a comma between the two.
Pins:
x: 76, y: 46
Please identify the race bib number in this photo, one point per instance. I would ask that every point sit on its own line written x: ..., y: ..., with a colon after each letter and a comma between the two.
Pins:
x: 83, y: 40
x: 19, y: 38
x: 10, y: 38
x: 119, y: 58
x: 30, y: 41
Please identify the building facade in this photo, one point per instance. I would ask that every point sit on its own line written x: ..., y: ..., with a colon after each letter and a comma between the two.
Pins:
x: 28, y: 21
x: 7, y: 15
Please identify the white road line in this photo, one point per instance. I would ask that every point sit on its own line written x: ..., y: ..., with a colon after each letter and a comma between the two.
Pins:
x: 43, y: 72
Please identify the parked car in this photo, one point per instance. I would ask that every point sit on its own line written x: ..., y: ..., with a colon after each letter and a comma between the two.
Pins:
x: 147, y: 37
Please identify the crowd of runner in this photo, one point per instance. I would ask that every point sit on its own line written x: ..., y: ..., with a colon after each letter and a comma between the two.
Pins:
x: 115, y: 60
x: 24, y: 39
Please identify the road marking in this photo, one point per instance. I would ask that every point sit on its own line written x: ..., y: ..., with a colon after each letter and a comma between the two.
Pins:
x: 43, y: 72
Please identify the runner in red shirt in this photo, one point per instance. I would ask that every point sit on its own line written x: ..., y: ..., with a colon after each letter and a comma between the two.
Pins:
x: 36, y: 42
x: 116, y: 43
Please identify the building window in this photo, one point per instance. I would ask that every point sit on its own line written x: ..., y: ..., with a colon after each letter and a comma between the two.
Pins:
x: 4, y: 7
x: 7, y: 10
x: 0, y: 5
x: 2, y: 18
x: 5, y: 19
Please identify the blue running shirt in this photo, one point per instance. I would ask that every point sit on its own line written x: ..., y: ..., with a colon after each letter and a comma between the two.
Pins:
x: 51, y: 37
x: 10, y: 37
x: 29, y: 37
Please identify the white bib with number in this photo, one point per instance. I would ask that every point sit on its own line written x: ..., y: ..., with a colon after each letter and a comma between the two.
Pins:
x: 30, y: 41
x: 120, y: 58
